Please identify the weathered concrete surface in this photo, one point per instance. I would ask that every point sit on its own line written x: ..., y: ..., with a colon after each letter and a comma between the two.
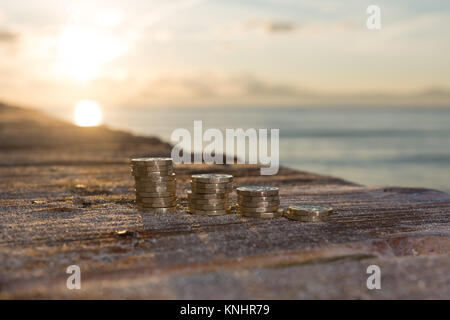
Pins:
x: 62, y: 204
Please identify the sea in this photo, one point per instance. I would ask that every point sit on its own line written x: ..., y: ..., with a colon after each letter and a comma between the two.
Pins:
x: 375, y: 146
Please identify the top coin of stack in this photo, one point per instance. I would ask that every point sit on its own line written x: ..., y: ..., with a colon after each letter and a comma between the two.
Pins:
x: 209, y: 195
x: 155, y: 184
x: 258, y: 201
x: 308, y: 213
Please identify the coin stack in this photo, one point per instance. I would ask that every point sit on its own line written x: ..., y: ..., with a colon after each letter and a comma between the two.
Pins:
x: 308, y: 213
x: 155, y: 184
x: 209, y: 195
x: 258, y: 201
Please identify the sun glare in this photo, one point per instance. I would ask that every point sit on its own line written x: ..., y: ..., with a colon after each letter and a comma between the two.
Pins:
x: 84, y: 51
x: 87, y: 113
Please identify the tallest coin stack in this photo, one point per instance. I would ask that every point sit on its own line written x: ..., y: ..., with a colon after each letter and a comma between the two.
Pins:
x: 155, y: 184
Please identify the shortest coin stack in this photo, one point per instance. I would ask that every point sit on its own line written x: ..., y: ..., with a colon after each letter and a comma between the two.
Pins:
x: 209, y: 195
x: 155, y: 184
x: 258, y: 201
x: 308, y: 213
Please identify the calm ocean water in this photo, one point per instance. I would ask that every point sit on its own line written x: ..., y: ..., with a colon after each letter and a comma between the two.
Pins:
x: 371, y: 146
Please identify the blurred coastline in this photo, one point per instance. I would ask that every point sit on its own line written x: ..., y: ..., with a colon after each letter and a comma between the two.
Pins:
x: 400, y: 146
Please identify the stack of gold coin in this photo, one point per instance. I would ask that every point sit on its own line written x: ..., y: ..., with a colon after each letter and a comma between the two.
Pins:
x: 308, y: 213
x: 258, y: 201
x: 209, y: 195
x: 155, y: 184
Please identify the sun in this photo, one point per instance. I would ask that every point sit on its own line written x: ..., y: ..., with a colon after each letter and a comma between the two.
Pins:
x: 87, y: 113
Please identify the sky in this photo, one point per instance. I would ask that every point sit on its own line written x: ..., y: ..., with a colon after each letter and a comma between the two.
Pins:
x: 217, y: 53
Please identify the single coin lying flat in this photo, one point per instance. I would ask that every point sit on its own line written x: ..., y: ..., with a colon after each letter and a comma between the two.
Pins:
x: 308, y: 213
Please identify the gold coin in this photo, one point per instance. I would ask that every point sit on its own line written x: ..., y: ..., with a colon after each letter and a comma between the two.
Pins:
x: 163, y: 201
x: 155, y: 179
x: 203, y: 190
x: 151, y: 164
x: 308, y: 213
x: 161, y: 197
x: 153, y: 188
x: 262, y: 215
x: 259, y: 204
x: 212, y: 185
x: 143, y: 164
x: 205, y: 196
x: 151, y: 168
x: 257, y: 199
x: 149, y: 192
x: 258, y: 191
x: 156, y: 189
x: 212, y: 178
x: 156, y: 200
x: 216, y: 206
x: 309, y: 209
x: 155, y: 194
x: 208, y: 212
x: 164, y: 194
x: 151, y: 161
x: 157, y: 205
x: 207, y: 201
x: 306, y: 218
x: 152, y: 174
x: 211, y: 190
x: 260, y: 209
x: 162, y: 181
x: 157, y: 184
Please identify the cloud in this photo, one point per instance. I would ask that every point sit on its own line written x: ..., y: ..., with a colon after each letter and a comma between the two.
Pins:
x: 8, y: 36
x: 213, y: 85
x: 279, y: 27
x: 211, y: 88
x: 254, y: 86
x: 272, y: 27
x: 167, y: 11
x: 310, y: 29
x: 434, y: 92
x: 169, y: 87
x: 244, y: 89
